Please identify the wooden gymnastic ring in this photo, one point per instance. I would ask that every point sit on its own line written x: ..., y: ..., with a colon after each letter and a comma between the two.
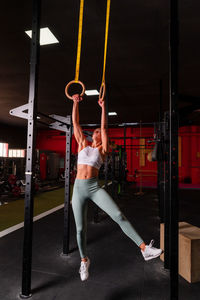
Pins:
x: 102, y: 91
x: 70, y: 83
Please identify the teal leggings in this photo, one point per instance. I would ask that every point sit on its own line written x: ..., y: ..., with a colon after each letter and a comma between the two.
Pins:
x: 85, y: 189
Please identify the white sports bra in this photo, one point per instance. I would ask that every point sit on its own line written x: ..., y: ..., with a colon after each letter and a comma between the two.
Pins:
x: 90, y: 156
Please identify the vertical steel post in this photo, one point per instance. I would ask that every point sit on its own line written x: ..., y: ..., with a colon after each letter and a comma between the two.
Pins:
x: 31, y: 135
x: 161, y: 101
x: 173, y: 158
x: 162, y: 182
x: 66, y: 233
x: 123, y: 160
x: 166, y: 194
x: 125, y: 138
x: 113, y: 173
x: 160, y: 165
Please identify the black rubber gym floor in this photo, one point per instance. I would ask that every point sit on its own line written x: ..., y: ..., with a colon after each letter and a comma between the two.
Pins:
x: 117, y: 272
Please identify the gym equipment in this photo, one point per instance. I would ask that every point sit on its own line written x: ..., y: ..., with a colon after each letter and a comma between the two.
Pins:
x: 12, y: 179
x: 10, y: 186
x: 154, y: 153
x: 189, y: 242
x: 141, y: 174
x: 103, y: 84
x: 28, y: 111
x: 16, y: 191
x: 173, y: 148
x: 78, y: 57
x: 76, y: 79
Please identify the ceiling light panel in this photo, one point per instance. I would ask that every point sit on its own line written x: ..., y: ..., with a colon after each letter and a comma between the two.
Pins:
x: 46, y: 36
x: 91, y: 92
x: 112, y: 113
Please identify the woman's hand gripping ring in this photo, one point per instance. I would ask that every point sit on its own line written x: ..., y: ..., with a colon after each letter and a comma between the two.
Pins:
x: 72, y: 82
x: 102, y: 91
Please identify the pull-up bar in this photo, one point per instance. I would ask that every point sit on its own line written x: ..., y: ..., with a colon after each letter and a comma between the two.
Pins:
x: 131, y: 137
x: 121, y: 124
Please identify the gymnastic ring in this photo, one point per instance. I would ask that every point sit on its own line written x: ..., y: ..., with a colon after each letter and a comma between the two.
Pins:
x: 102, y: 91
x: 70, y: 83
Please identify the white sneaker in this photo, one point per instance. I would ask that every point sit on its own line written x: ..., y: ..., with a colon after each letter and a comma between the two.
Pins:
x: 151, y: 252
x: 84, y: 274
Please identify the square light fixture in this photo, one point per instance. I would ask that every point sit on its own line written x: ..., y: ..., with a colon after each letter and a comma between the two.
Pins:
x: 46, y: 36
x: 113, y: 113
x: 91, y: 92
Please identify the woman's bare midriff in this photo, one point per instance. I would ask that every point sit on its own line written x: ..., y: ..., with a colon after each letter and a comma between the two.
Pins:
x: 86, y: 172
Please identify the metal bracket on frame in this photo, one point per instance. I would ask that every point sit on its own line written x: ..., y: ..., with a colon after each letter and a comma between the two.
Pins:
x: 60, y: 126
x: 20, y: 111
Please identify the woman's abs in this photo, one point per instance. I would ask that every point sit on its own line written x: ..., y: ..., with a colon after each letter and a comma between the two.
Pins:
x: 86, y: 172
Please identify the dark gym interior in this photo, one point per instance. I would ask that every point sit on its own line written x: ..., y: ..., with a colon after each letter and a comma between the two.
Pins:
x: 152, y: 169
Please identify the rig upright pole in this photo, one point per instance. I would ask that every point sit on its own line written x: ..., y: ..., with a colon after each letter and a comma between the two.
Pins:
x: 173, y: 145
x: 31, y: 137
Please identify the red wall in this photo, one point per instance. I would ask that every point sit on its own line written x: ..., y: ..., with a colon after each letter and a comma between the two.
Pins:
x: 189, y: 158
x: 53, y: 140
x: 189, y: 169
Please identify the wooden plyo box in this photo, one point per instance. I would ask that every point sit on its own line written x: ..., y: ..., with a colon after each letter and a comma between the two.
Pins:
x: 189, y: 251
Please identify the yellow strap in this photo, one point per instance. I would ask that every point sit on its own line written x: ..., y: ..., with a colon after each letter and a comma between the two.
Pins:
x: 106, y: 40
x: 78, y: 57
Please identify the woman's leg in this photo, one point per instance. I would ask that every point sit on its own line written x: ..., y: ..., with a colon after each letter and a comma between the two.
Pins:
x: 79, y: 206
x: 106, y: 203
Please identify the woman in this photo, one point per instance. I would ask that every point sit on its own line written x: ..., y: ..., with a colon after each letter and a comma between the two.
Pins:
x: 90, y: 158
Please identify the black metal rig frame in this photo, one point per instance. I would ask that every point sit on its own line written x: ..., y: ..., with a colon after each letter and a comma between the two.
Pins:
x: 173, y: 149
x: 29, y: 112
x: 168, y: 170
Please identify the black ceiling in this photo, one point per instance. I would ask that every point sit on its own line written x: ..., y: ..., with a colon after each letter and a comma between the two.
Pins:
x: 137, y: 58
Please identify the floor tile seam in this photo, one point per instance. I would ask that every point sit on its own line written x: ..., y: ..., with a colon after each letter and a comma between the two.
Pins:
x: 49, y: 273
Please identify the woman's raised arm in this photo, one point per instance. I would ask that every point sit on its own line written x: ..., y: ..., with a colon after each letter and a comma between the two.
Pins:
x: 78, y: 133
x: 104, y: 132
